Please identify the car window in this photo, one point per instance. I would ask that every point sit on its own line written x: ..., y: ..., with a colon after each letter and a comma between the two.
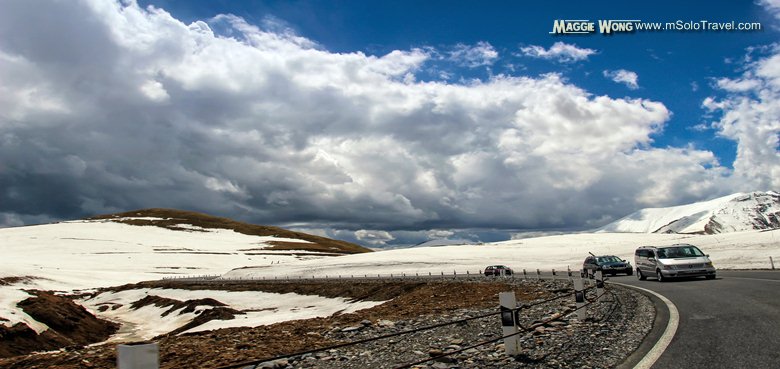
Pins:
x: 687, y: 251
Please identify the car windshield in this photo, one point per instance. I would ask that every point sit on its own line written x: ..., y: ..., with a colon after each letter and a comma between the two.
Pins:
x: 687, y: 251
x: 608, y: 259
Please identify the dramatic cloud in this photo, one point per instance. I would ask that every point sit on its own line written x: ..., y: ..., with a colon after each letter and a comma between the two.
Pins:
x: 751, y: 117
x: 559, y: 51
x: 479, y: 55
x: 108, y: 107
x: 623, y: 76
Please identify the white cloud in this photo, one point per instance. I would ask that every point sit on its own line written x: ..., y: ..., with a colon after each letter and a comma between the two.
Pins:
x: 373, y: 237
x: 439, y: 233
x: 472, y: 56
x: 559, y: 51
x: 751, y: 117
x: 623, y: 76
x: 266, y: 126
x: 772, y: 6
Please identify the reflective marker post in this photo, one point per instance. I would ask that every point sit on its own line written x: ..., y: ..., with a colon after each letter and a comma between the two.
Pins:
x: 590, y: 275
x: 553, y: 273
x: 579, y: 298
x: 508, y: 323
x: 599, y: 283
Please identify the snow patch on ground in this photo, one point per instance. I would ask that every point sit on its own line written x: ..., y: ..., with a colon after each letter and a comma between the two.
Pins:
x: 261, y: 308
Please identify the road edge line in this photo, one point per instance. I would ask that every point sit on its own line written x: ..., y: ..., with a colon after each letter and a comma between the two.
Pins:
x: 666, y: 338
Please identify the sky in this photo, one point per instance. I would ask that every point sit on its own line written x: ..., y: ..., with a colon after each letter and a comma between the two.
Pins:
x: 382, y: 123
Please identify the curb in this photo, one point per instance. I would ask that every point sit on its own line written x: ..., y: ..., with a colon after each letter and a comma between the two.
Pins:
x: 665, y: 325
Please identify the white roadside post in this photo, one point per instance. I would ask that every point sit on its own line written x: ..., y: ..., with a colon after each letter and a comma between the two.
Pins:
x: 138, y: 356
x: 508, y: 323
x: 538, y: 274
x: 568, y: 272
x: 599, y: 283
x: 590, y: 275
x: 553, y: 273
x: 579, y: 298
x: 525, y: 275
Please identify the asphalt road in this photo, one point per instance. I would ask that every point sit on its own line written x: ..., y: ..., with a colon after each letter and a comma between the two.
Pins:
x: 730, y: 322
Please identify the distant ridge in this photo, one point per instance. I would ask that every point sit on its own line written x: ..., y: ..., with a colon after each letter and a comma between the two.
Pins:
x: 733, y: 213
x: 173, y: 219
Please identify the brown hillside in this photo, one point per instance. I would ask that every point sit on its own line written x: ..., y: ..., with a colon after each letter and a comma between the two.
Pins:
x: 171, y: 218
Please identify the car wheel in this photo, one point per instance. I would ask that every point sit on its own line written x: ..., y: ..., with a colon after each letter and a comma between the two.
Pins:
x: 630, y: 272
x: 639, y: 275
x: 660, y: 276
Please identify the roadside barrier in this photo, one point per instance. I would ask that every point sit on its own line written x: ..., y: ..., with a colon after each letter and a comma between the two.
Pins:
x: 455, y: 274
x: 509, y: 311
x: 510, y: 317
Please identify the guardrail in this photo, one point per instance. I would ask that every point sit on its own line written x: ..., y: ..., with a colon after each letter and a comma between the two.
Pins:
x: 525, y: 274
x: 509, y: 310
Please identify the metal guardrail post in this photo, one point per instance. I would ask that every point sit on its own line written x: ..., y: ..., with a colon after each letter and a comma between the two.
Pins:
x: 599, y: 283
x: 579, y: 298
x: 508, y: 323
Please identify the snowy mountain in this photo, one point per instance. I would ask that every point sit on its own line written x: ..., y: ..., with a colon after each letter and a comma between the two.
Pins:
x: 732, y: 213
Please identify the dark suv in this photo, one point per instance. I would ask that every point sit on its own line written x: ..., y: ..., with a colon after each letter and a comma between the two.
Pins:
x: 607, y: 264
x: 497, y: 270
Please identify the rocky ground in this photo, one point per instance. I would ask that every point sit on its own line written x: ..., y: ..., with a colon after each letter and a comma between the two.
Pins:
x: 615, y: 325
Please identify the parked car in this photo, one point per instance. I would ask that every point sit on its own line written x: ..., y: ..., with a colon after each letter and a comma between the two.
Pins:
x: 607, y: 264
x: 679, y: 260
x: 497, y: 270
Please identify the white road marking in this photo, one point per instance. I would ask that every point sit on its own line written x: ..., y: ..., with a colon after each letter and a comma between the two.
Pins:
x: 666, y: 338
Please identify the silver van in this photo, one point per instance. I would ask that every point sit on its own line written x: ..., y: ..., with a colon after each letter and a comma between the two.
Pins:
x: 679, y: 260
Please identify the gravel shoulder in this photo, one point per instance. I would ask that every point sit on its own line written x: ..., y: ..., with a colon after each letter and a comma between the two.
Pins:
x: 615, y: 326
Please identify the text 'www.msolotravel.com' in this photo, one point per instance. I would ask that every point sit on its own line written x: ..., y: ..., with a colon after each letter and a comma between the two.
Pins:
x: 616, y: 26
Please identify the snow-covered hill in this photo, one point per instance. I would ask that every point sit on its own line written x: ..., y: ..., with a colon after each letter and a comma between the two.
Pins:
x: 143, y: 245
x: 732, y: 213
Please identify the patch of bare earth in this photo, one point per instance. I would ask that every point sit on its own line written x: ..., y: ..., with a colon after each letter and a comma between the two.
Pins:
x: 407, y: 300
x: 8, y: 281
x: 70, y: 325
x: 172, y: 219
